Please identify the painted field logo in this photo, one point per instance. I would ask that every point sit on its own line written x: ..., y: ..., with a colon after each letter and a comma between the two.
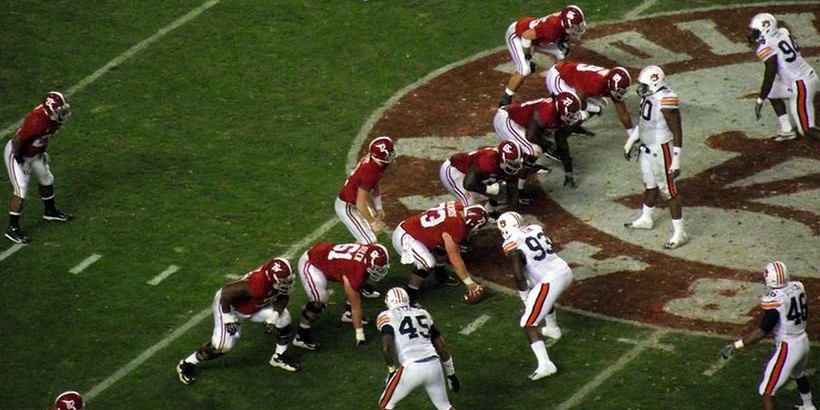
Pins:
x: 747, y: 199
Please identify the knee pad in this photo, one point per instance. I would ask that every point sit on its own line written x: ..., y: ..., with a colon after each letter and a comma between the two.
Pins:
x: 285, y: 319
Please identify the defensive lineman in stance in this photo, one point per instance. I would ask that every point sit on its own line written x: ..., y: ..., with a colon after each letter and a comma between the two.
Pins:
x: 409, y: 333
x: 786, y: 312
x: 540, y: 276
x: 661, y: 141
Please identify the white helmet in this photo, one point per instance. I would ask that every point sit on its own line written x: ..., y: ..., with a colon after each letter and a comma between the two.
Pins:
x: 762, y: 24
x: 509, y: 222
x: 397, y: 297
x: 776, y: 275
x: 650, y: 80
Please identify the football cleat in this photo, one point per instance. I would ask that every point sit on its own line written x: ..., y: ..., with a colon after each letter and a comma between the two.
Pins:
x: 282, y: 361
x: 552, y: 332
x: 805, y: 407
x: 185, y: 371
x: 305, y: 343
x: 524, y: 198
x: 57, y: 215
x: 641, y: 223
x: 541, y: 373
x: 676, y: 241
x: 785, y: 136
x: 16, y: 235
x: 369, y: 292
x: 347, y: 317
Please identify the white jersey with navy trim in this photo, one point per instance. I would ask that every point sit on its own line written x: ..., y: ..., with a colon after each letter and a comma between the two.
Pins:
x: 537, y: 248
x: 411, y: 332
x: 791, y: 304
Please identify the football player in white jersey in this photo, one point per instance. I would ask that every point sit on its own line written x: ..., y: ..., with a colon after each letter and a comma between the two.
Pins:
x: 787, y: 77
x: 661, y: 141
x: 786, y: 312
x: 540, y: 276
x: 408, y: 334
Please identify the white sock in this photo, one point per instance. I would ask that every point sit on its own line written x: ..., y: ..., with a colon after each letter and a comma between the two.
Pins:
x: 646, y: 212
x: 540, y: 351
x: 785, y: 124
x: 281, y: 348
x: 550, y: 319
x: 677, y: 225
x: 509, y: 92
x: 192, y: 359
x: 521, y: 183
x: 806, y: 399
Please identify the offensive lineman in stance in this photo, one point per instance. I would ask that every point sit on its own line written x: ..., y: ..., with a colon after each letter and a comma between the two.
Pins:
x: 549, y: 34
x: 661, y: 141
x: 360, y: 196
x: 25, y: 154
x: 408, y: 333
x: 540, y: 276
x: 785, y: 315
x: 262, y: 295
x: 422, y: 238
x: 350, y: 265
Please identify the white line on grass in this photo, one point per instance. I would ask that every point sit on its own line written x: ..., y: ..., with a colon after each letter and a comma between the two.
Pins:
x: 475, y: 325
x: 170, y: 270
x: 10, y: 251
x: 85, y: 263
x: 199, y: 317
x: 579, y: 395
x: 125, y: 56
x: 634, y: 13
x: 715, y: 367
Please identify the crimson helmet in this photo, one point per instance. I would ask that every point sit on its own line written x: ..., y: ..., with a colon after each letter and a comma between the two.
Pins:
x: 56, y: 106
x: 378, y: 261
x: 617, y: 81
x: 475, y: 216
x: 572, y: 20
x: 569, y: 107
x: 511, y: 158
x: 382, y: 150
x: 280, y: 275
x: 69, y: 400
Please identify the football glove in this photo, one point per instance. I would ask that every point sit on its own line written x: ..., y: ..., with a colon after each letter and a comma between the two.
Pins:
x: 361, y: 344
x: 389, y: 376
x: 758, y: 108
x: 727, y: 351
x: 674, y: 168
x: 523, y: 295
x: 533, y: 67
x: 232, y: 328
x: 453, y: 383
x: 569, y: 180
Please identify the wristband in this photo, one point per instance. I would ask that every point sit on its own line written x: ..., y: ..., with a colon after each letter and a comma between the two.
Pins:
x: 526, y: 43
x: 739, y: 344
x: 676, y: 151
x: 391, y: 369
x: 469, y: 281
x: 493, y: 189
x: 273, y: 318
x: 760, y: 100
x: 359, y: 334
x: 449, y: 366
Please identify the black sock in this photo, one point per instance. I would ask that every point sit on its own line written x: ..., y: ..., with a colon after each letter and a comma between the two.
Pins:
x: 14, y: 220
x: 49, y: 204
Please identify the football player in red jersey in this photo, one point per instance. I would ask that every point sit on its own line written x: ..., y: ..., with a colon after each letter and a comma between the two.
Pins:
x: 261, y: 296
x: 359, y: 204
x: 532, y: 124
x: 472, y: 176
x: 432, y: 237
x: 25, y: 154
x: 549, y: 35
x: 69, y: 400
x: 349, y: 264
x: 594, y: 86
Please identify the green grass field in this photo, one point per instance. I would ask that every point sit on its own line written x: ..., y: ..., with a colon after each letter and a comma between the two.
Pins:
x: 223, y: 143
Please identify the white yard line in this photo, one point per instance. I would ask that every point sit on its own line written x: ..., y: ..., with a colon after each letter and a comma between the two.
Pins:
x: 85, y: 82
x: 199, y: 317
x: 85, y: 263
x: 170, y: 270
x: 475, y: 325
x: 584, y: 391
x: 634, y: 13
x: 10, y: 251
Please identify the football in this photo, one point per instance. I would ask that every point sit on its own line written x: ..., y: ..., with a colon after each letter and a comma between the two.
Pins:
x: 475, y: 297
